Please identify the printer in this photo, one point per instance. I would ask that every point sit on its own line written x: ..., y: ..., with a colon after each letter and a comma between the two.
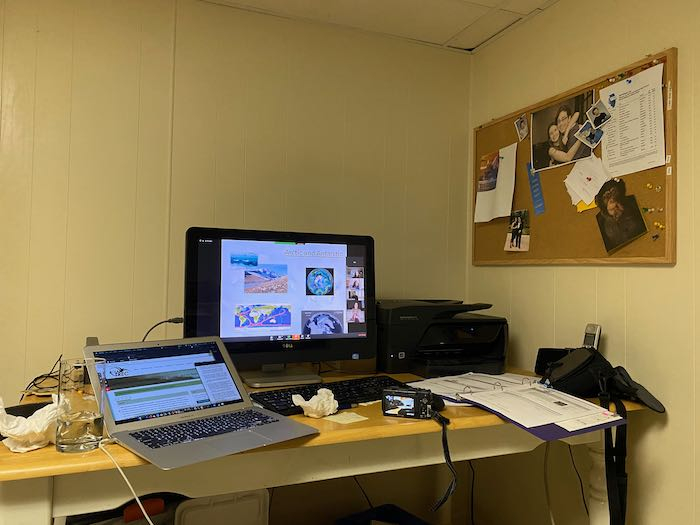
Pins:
x: 433, y: 338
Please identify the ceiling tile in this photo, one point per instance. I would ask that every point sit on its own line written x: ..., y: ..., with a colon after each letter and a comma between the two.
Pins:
x: 523, y: 7
x: 436, y: 21
x: 483, y: 29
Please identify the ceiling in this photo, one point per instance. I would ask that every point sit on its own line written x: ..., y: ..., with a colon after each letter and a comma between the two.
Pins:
x: 458, y: 24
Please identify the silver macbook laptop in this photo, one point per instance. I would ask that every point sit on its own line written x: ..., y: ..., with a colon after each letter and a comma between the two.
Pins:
x: 181, y: 401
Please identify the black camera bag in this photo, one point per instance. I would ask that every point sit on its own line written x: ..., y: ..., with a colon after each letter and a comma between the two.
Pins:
x: 585, y: 372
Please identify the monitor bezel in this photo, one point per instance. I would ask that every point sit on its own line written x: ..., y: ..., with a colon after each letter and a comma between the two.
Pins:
x: 251, y: 354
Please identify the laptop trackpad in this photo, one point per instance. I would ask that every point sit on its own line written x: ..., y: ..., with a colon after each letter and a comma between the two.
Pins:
x: 238, y: 441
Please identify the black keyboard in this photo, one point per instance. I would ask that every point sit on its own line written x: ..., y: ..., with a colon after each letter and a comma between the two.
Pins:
x: 346, y: 392
x: 201, y: 428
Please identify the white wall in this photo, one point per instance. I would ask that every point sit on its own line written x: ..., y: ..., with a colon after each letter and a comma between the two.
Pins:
x: 649, y: 315
x: 125, y: 122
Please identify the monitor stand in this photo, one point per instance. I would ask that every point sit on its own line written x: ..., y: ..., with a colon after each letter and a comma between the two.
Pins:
x: 279, y: 375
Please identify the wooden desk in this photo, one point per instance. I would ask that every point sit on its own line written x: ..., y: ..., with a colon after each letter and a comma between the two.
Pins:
x: 40, y: 485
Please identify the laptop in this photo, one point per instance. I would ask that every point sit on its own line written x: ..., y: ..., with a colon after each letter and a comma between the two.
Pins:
x: 181, y: 401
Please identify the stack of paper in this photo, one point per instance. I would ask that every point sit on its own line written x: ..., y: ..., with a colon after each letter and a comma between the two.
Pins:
x: 545, y: 412
x: 453, y: 388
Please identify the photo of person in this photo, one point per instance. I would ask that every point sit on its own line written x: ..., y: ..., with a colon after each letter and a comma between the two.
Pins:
x: 619, y: 219
x: 356, y: 273
x: 521, y: 127
x: 488, y: 172
x: 356, y: 314
x: 354, y: 284
x: 518, y: 236
x: 589, y: 135
x: 599, y: 114
x: 553, y: 129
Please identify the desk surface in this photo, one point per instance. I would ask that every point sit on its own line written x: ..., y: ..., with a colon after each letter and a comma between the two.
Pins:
x: 47, y: 461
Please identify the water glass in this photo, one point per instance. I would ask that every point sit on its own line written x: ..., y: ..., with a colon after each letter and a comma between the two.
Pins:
x: 80, y: 418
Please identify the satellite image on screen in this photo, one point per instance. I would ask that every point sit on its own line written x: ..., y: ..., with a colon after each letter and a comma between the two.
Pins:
x: 319, y: 281
x: 315, y: 323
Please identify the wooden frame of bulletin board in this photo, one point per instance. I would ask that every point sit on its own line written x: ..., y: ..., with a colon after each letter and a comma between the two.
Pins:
x: 561, y: 235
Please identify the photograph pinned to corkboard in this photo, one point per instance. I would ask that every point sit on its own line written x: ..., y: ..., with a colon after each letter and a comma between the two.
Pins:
x: 595, y: 170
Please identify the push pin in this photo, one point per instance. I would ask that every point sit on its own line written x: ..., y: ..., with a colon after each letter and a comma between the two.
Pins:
x: 659, y: 226
x: 660, y: 210
x: 650, y: 186
x: 655, y: 237
x: 658, y: 189
x: 648, y: 210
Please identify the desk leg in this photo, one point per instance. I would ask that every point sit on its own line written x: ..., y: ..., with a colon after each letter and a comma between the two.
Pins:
x: 26, y: 502
x: 598, y: 489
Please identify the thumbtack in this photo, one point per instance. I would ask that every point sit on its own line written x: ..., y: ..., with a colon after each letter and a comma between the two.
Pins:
x: 649, y: 185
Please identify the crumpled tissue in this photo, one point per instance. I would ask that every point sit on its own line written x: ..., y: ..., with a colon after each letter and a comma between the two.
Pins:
x: 29, y: 433
x: 321, y: 405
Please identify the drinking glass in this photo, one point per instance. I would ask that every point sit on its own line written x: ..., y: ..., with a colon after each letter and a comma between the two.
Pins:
x: 80, y: 418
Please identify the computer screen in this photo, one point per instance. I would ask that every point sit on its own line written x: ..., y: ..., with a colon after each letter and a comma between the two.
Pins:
x: 153, y: 382
x: 281, y: 297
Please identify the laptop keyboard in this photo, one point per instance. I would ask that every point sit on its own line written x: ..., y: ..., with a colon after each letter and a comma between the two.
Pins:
x: 201, y: 428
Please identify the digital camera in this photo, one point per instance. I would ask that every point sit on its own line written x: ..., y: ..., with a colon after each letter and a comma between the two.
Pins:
x: 415, y: 403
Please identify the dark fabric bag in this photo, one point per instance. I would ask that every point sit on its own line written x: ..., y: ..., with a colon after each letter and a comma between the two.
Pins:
x: 585, y: 372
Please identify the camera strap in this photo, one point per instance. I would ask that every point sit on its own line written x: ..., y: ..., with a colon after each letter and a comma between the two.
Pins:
x: 446, y: 451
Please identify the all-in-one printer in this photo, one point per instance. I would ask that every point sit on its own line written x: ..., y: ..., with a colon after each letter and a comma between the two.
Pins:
x: 433, y: 338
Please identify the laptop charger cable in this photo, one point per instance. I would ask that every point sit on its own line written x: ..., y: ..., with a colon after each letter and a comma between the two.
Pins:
x: 173, y: 320
x: 128, y: 484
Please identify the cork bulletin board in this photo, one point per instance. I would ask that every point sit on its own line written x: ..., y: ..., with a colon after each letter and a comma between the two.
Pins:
x: 560, y: 234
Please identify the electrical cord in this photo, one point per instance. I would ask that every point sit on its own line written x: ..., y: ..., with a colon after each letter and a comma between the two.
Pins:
x: 103, y: 449
x: 271, y: 492
x: 546, y: 484
x: 580, y: 481
x: 369, y: 502
x: 174, y: 320
x: 40, y: 379
x: 446, y: 451
x: 471, y: 498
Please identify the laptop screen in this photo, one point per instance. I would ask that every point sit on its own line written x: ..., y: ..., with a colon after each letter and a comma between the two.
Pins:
x: 146, y: 383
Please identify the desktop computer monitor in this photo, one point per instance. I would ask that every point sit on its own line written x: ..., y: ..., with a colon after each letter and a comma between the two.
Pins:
x: 276, y: 298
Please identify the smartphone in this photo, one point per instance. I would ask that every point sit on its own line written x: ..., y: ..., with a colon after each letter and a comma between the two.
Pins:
x: 591, y: 336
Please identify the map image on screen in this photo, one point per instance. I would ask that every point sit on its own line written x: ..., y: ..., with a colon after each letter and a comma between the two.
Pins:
x: 322, y: 323
x: 269, y: 278
x: 263, y: 316
x: 319, y: 281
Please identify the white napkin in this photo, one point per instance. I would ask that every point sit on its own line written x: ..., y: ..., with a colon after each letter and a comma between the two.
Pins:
x: 29, y: 433
x: 320, y: 405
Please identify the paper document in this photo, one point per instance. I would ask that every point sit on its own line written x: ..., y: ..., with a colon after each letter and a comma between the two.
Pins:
x: 585, y: 179
x: 634, y: 138
x: 496, y: 183
x: 453, y: 388
x: 545, y: 412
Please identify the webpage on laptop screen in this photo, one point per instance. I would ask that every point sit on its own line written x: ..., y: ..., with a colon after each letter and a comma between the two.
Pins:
x: 150, y: 386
